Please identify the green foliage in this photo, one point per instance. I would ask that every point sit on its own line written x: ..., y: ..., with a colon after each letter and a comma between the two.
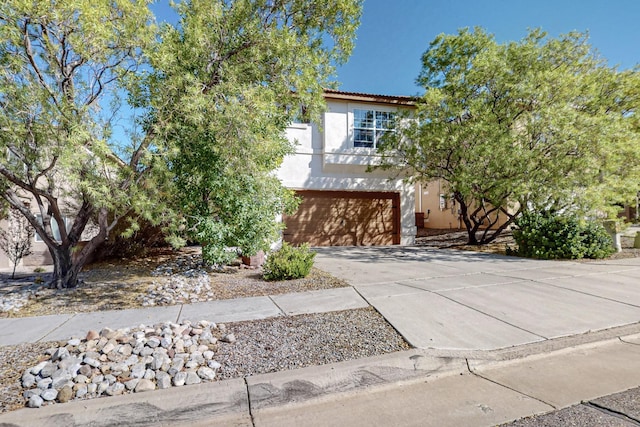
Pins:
x: 597, y: 241
x: 212, y: 97
x: 227, y: 81
x: 63, y: 66
x: 552, y: 236
x: 541, y: 122
x: 289, y: 262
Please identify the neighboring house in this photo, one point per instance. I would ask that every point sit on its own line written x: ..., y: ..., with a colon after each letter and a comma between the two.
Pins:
x: 435, y: 208
x: 39, y: 252
x: 343, y: 204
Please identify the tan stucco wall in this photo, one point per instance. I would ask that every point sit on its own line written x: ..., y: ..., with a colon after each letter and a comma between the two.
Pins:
x: 435, y: 214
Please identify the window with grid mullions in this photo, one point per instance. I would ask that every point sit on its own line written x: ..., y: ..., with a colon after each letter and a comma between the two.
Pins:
x: 369, y: 126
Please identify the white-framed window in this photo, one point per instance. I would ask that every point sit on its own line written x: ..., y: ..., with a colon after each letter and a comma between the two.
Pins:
x: 301, y: 116
x: 54, y: 228
x: 369, y: 126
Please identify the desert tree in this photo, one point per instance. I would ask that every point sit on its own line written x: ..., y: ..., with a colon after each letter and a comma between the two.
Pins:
x: 541, y: 123
x: 63, y: 66
x: 228, y: 80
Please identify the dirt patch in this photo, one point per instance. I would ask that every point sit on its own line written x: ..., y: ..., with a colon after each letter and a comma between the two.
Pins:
x: 124, y: 284
x: 457, y: 239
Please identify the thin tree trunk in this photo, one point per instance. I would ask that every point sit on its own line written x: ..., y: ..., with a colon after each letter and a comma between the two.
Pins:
x: 65, y: 271
x: 66, y: 267
x: 473, y: 225
x: 496, y: 232
x: 464, y: 215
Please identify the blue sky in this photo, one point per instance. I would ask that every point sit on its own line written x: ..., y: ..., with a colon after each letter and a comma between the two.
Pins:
x: 394, y: 34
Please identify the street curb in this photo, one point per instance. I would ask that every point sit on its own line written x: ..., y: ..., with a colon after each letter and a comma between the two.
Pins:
x: 237, y: 401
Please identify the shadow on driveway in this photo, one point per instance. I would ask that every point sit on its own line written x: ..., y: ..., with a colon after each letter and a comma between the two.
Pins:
x: 374, y: 254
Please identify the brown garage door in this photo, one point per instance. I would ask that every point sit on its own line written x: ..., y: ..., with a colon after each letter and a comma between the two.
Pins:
x: 342, y: 218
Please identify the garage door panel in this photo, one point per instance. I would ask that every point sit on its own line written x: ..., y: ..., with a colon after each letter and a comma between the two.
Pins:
x: 343, y: 240
x: 327, y: 218
x: 299, y: 238
x: 375, y: 240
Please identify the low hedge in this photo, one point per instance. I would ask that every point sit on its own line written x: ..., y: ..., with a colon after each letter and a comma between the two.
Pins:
x: 546, y: 235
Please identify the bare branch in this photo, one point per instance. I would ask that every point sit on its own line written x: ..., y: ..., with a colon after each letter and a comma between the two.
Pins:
x: 32, y: 61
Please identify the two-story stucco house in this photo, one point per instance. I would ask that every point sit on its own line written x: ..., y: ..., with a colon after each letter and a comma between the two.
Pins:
x: 343, y: 204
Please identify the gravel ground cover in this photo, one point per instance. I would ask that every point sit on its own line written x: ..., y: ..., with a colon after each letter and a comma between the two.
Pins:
x: 294, y: 342
x: 260, y: 346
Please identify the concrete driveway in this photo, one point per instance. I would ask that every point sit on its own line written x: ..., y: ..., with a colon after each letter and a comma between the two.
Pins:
x: 459, y: 300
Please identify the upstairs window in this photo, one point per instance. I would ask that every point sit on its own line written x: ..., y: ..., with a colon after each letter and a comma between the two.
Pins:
x: 369, y: 126
x: 300, y: 115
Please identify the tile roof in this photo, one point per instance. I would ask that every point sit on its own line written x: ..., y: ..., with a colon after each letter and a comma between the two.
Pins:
x: 369, y: 97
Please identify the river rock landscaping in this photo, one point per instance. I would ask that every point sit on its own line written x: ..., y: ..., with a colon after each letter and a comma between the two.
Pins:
x: 112, y: 362
x: 185, y: 281
x: 101, y: 365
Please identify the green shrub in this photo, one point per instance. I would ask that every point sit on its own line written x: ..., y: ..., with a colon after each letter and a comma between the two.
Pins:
x: 289, y: 262
x: 552, y: 236
x: 597, y: 242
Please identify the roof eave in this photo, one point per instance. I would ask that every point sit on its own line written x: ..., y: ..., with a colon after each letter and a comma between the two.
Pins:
x: 408, y: 101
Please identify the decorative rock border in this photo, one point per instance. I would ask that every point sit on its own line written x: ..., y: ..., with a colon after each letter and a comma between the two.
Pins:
x: 179, y: 289
x: 130, y: 360
x: 181, y: 281
x: 18, y: 294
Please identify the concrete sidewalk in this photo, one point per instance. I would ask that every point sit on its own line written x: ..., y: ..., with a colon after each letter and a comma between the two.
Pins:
x: 64, y: 326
